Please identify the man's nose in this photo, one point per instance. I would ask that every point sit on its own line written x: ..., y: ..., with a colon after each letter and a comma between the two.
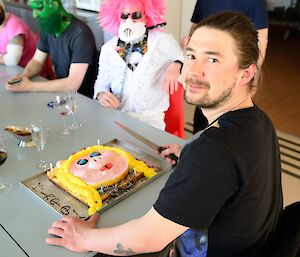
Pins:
x: 197, y: 68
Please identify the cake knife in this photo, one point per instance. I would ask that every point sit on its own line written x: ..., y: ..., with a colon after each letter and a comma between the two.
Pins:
x: 147, y: 142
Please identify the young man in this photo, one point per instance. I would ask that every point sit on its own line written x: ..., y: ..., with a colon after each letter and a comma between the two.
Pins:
x: 256, y: 10
x: 71, y: 45
x: 224, y: 197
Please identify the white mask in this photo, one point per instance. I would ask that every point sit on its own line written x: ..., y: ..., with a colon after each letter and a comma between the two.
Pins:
x: 132, y: 32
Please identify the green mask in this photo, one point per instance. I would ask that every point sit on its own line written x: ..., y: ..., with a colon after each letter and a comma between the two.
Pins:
x: 53, y: 18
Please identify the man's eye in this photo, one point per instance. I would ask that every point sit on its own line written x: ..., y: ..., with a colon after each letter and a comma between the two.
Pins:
x: 213, y: 60
x: 189, y: 56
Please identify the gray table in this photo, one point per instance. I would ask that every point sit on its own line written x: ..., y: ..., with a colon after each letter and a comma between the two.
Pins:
x: 8, y: 246
x: 25, y: 217
x: 7, y: 71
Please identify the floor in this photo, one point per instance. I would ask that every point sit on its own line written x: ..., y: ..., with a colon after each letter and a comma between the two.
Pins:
x: 279, y: 97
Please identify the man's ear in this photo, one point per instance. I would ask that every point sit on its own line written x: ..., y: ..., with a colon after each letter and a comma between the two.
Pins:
x: 248, y: 74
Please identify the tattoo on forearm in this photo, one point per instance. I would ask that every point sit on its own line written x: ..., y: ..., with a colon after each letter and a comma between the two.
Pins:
x: 120, y: 250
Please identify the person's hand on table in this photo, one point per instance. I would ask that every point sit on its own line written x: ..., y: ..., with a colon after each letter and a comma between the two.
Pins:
x: 24, y: 85
x: 107, y: 99
x: 18, y: 76
x: 171, y: 149
x: 170, y: 78
x: 71, y: 232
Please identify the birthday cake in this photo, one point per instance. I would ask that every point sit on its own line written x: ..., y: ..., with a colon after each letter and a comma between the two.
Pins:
x: 96, y: 167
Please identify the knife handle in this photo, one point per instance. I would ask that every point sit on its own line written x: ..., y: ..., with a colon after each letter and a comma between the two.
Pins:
x: 171, y: 156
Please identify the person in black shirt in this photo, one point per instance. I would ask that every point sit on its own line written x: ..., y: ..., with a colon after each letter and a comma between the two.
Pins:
x: 71, y: 46
x: 256, y: 10
x: 224, y: 197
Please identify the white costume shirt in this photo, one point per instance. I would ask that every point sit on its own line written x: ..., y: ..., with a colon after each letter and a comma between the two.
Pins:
x: 141, y: 96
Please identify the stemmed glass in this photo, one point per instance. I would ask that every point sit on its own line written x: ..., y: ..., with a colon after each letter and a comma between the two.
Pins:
x: 39, y: 134
x: 73, y: 98
x: 3, y: 156
x: 63, y: 107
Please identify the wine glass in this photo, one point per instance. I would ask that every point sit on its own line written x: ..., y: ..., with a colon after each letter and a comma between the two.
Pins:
x: 73, y: 98
x: 63, y: 106
x: 3, y: 156
x: 39, y: 134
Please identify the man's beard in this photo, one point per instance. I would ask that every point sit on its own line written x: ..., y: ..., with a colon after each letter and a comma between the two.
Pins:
x: 51, y: 25
x: 205, y: 101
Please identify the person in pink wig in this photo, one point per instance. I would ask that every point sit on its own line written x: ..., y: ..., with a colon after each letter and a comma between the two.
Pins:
x: 141, y: 63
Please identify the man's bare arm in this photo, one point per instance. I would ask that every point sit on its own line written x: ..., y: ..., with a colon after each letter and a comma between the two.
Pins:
x: 72, y: 82
x: 150, y: 233
x: 35, y: 65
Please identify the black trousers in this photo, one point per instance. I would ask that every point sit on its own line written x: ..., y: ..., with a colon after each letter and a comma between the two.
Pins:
x: 200, y: 121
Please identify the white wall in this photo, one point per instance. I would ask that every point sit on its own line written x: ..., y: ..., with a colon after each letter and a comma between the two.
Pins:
x: 187, y: 8
x: 173, y: 17
x: 178, y: 16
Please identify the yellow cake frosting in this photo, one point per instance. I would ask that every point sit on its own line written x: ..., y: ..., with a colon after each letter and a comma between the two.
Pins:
x: 88, y: 193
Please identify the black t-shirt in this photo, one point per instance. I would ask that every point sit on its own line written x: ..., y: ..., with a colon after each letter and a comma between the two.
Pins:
x: 226, y: 187
x: 75, y: 45
x: 256, y: 10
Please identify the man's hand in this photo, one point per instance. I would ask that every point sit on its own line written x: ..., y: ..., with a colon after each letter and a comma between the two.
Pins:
x: 107, y: 99
x: 170, y: 78
x: 17, y: 76
x: 171, y: 149
x: 72, y: 232
x: 24, y: 85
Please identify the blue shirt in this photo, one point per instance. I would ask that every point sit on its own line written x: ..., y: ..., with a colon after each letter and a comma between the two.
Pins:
x: 256, y: 10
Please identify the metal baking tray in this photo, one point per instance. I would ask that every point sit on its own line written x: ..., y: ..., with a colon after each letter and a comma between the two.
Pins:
x: 65, y: 204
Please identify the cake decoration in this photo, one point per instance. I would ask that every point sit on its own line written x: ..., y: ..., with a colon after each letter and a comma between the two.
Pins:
x: 96, y: 167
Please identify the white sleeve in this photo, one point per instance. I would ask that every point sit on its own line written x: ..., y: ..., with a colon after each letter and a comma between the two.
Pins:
x: 13, y: 55
x: 102, y: 83
x: 170, y: 46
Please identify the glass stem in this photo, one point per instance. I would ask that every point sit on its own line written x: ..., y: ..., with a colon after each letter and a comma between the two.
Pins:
x: 75, y: 122
x: 66, y: 131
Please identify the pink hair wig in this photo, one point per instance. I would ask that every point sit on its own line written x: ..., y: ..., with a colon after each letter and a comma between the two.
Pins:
x: 110, y: 12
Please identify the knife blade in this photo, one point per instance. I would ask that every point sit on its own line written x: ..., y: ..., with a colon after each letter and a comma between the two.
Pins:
x: 146, y: 141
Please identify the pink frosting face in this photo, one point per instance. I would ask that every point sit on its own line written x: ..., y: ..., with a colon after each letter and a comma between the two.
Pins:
x: 99, y: 166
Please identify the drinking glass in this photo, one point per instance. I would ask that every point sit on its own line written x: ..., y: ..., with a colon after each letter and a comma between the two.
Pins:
x: 39, y: 134
x: 73, y: 98
x: 3, y: 156
x: 63, y: 107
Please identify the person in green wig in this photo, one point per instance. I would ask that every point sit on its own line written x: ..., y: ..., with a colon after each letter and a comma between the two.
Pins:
x: 71, y: 46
